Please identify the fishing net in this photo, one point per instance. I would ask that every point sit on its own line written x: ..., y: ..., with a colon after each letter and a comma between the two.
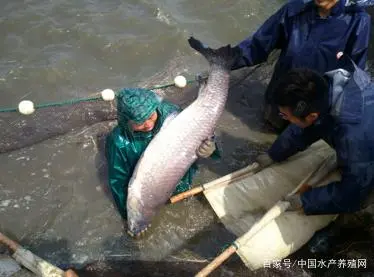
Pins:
x: 58, y: 118
x: 54, y: 119
x: 241, y: 204
x: 54, y: 195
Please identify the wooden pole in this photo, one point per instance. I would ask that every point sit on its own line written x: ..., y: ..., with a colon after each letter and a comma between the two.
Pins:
x: 274, y: 212
x: 279, y: 208
x: 8, y: 242
x: 225, y: 180
x: 217, y: 262
x: 32, y: 262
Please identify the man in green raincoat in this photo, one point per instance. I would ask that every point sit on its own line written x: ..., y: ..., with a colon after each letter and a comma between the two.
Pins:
x: 141, y: 114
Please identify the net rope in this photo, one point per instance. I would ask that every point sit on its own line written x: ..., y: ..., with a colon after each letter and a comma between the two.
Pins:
x: 85, y: 99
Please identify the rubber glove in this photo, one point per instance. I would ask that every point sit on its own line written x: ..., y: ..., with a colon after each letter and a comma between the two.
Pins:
x: 295, y: 199
x: 295, y: 202
x: 206, y: 148
x: 264, y: 160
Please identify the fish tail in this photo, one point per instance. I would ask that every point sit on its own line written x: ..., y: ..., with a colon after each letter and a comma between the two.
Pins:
x: 225, y: 56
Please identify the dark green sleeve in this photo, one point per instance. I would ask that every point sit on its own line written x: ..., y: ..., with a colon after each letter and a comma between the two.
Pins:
x: 119, y: 174
x: 217, y: 154
x: 186, y: 182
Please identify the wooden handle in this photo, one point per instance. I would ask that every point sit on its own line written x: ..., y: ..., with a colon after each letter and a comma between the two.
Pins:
x: 32, y: 262
x: 234, y: 176
x: 216, y: 262
x: 70, y: 273
x: 274, y: 212
x: 325, y: 163
x: 186, y: 194
x: 250, y: 170
x: 8, y: 242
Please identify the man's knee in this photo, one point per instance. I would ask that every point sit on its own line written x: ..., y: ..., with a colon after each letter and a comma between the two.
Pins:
x: 368, y: 200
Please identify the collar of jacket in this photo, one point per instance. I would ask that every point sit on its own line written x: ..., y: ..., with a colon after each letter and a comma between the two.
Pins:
x: 296, y: 7
x: 359, y: 3
x: 345, y: 96
x: 339, y: 7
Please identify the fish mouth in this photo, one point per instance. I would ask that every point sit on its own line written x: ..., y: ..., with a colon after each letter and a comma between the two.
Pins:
x: 138, y: 229
x: 139, y: 233
x: 138, y: 219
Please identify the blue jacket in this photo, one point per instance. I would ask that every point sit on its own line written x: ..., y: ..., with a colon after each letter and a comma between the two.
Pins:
x: 306, y: 40
x: 363, y: 3
x: 348, y: 127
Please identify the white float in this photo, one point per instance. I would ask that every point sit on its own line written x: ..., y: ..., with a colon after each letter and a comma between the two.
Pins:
x: 26, y: 107
x: 180, y: 81
x: 107, y: 94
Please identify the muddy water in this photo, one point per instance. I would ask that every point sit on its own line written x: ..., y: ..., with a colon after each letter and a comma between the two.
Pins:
x: 53, y: 195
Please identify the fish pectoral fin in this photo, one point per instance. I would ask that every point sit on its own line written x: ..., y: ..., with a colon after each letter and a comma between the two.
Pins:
x: 169, y: 119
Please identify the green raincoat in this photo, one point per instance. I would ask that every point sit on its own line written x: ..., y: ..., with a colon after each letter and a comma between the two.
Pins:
x: 125, y: 146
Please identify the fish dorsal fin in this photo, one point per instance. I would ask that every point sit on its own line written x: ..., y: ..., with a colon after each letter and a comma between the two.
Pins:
x: 168, y: 119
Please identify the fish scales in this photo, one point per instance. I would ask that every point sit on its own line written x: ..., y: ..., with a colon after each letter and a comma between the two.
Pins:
x: 173, y: 150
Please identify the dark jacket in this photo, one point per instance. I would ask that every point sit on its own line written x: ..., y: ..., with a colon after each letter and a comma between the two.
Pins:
x: 307, y: 40
x: 348, y: 127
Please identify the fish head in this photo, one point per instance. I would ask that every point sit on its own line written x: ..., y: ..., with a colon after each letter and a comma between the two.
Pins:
x: 138, y: 217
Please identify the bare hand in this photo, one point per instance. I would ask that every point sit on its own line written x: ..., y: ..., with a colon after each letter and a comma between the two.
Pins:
x: 303, y: 188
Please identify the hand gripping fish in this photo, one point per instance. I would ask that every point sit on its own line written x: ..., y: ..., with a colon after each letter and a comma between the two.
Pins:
x: 173, y: 150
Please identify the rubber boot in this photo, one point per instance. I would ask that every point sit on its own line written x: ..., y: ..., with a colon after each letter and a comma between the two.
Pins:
x: 324, y: 239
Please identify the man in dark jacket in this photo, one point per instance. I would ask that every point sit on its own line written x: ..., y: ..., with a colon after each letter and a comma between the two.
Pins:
x: 310, y: 34
x: 337, y: 107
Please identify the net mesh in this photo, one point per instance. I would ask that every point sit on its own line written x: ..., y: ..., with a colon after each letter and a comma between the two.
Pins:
x: 54, y: 119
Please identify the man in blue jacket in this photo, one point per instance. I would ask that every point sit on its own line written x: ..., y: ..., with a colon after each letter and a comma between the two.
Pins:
x: 309, y: 34
x: 337, y: 107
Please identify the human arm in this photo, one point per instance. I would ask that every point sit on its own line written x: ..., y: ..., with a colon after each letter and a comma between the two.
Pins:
x: 119, y: 174
x: 271, y: 35
x: 358, y: 43
x: 291, y: 141
x: 185, y: 183
x: 336, y: 197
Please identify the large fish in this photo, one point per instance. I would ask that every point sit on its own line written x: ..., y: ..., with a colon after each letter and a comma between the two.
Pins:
x: 173, y: 150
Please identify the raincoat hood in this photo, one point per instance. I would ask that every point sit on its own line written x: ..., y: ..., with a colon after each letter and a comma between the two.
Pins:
x: 136, y: 104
